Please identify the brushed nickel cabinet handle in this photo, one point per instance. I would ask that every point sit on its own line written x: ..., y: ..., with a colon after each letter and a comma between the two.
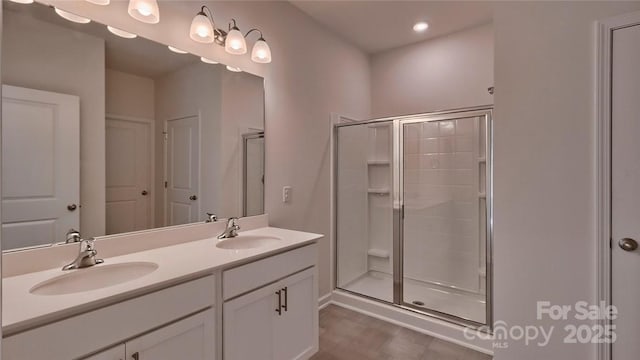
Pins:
x: 279, y: 308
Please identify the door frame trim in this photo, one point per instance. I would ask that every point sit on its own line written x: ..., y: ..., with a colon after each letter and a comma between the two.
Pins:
x: 152, y: 166
x: 604, y: 48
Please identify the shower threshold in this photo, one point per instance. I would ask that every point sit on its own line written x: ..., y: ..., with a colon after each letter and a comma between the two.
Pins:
x: 379, y: 285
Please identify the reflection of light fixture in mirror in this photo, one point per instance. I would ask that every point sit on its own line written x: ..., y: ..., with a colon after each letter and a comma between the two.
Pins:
x: 202, y: 27
x: 208, y: 61
x: 144, y: 10
x: 23, y: 1
x: 121, y: 33
x: 233, y: 68
x: 235, y: 43
x: 72, y: 17
x: 176, y: 50
x: 261, y: 53
x: 100, y: 2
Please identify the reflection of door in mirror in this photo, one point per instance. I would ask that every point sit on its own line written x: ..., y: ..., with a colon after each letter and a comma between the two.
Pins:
x: 128, y: 171
x: 183, y: 174
x: 253, y: 174
x: 40, y: 166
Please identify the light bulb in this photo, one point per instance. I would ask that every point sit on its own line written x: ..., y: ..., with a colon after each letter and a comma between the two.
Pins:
x: 100, y: 2
x: 72, y: 17
x: 121, y: 33
x: 233, y: 68
x: 208, y: 61
x: 235, y: 42
x: 176, y: 50
x: 202, y: 29
x: 261, y: 52
x: 420, y: 27
x: 145, y: 11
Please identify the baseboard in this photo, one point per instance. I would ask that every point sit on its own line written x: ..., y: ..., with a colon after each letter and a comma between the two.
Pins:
x: 324, y: 301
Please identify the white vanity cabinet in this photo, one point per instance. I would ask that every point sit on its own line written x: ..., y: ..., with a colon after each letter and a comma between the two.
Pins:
x: 190, y: 338
x: 277, y: 319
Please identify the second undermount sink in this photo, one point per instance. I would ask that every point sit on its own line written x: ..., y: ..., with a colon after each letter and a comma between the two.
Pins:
x: 93, y: 278
x: 243, y: 242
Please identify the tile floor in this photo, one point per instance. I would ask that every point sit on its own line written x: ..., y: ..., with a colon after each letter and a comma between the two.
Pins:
x: 349, y: 335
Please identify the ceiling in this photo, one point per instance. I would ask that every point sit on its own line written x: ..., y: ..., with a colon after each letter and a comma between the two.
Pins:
x: 137, y: 56
x: 376, y: 26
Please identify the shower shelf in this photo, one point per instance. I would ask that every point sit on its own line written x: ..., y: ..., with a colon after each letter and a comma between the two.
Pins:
x: 378, y: 162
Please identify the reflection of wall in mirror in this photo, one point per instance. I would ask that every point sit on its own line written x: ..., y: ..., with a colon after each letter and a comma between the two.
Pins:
x: 55, y: 63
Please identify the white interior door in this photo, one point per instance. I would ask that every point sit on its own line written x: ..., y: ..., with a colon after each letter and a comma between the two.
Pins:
x: 128, y: 169
x: 40, y: 166
x: 183, y: 170
x: 625, y: 199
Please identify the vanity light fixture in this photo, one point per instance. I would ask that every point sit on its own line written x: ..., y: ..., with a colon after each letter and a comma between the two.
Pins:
x: 100, y: 2
x: 420, y: 26
x: 22, y: 1
x: 71, y: 17
x: 145, y: 11
x: 261, y: 52
x: 235, y: 43
x: 202, y: 27
x: 176, y: 50
x: 208, y: 61
x: 121, y: 33
x: 233, y: 68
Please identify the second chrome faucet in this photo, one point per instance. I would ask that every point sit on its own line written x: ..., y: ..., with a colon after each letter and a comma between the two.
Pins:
x: 231, y: 230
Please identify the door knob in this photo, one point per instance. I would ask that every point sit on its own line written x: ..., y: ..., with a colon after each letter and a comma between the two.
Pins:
x: 193, y: 198
x: 628, y: 244
x: 72, y: 207
x: 144, y: 192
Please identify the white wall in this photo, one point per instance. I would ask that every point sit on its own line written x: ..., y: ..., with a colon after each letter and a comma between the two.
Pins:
x: 129, y: 95
x: 28, y: 61
x: 448, y: 72
x: 544, y: 164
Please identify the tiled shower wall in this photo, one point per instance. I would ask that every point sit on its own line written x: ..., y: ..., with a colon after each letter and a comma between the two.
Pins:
x: 443, y: 190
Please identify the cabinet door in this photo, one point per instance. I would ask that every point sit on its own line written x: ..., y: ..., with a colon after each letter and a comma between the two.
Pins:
x: 249, y: 323
x: 115, y: 353
x: 296, y: 330
x: 192, y: 338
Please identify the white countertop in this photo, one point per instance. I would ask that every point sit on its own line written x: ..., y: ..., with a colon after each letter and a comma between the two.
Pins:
x: 22, y: 310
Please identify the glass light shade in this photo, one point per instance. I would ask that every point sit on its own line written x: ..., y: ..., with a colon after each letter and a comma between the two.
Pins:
x: 23, y: 1
x: 72, y: 17
x: 233, y: 68
x: 201, y: 29
x: 235, y: 43
x: 176, y: 50
x: 208, y: 61
x: 145, y: 11
x: 100, y: 2
x: 261, y: 52
x: 121, y: 33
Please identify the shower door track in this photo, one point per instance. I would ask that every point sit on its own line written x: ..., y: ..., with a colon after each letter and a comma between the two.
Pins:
x: 398, y: 211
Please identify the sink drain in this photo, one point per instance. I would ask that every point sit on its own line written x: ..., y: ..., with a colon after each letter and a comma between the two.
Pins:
x: 417, y: 302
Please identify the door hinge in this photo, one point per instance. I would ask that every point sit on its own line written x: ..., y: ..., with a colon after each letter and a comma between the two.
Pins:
x: 166, y: 135
x: 166, y: 184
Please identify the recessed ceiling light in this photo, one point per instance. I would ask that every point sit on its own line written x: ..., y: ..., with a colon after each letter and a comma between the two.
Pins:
x: 72, y: 17
x: 208, y: 61
x: 176, y: 50
x: 121, y: 33
x: 233, y: 68
x: 420, y: 26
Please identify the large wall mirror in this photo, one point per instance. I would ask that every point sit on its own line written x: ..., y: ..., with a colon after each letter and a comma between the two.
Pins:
x: 106, y: 134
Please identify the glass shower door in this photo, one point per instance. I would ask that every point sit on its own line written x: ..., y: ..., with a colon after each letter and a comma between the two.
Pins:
x: 443, y: 190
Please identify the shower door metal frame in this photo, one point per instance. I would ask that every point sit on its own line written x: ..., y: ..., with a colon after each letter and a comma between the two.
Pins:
x: 397, y: 192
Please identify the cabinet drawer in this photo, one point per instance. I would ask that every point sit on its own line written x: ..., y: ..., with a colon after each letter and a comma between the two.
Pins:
x: 98, y: 329
x: 244, y: 278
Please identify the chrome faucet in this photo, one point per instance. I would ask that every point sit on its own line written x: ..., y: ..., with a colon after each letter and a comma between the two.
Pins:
x: 232, y: 229
x: 73, y: 236
x: 86, y: 257
x: 211, y: 218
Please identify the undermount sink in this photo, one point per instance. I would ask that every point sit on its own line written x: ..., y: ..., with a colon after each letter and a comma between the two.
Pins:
x: 243, y: 242
x: 96, y: 277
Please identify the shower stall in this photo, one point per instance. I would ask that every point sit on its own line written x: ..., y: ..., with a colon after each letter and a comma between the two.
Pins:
x: 413, y: 212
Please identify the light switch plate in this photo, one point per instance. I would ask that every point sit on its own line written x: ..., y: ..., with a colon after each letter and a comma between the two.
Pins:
x: 286, y: 194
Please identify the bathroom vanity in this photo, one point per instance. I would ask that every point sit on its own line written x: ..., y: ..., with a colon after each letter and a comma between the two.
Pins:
x: 249, y: 297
